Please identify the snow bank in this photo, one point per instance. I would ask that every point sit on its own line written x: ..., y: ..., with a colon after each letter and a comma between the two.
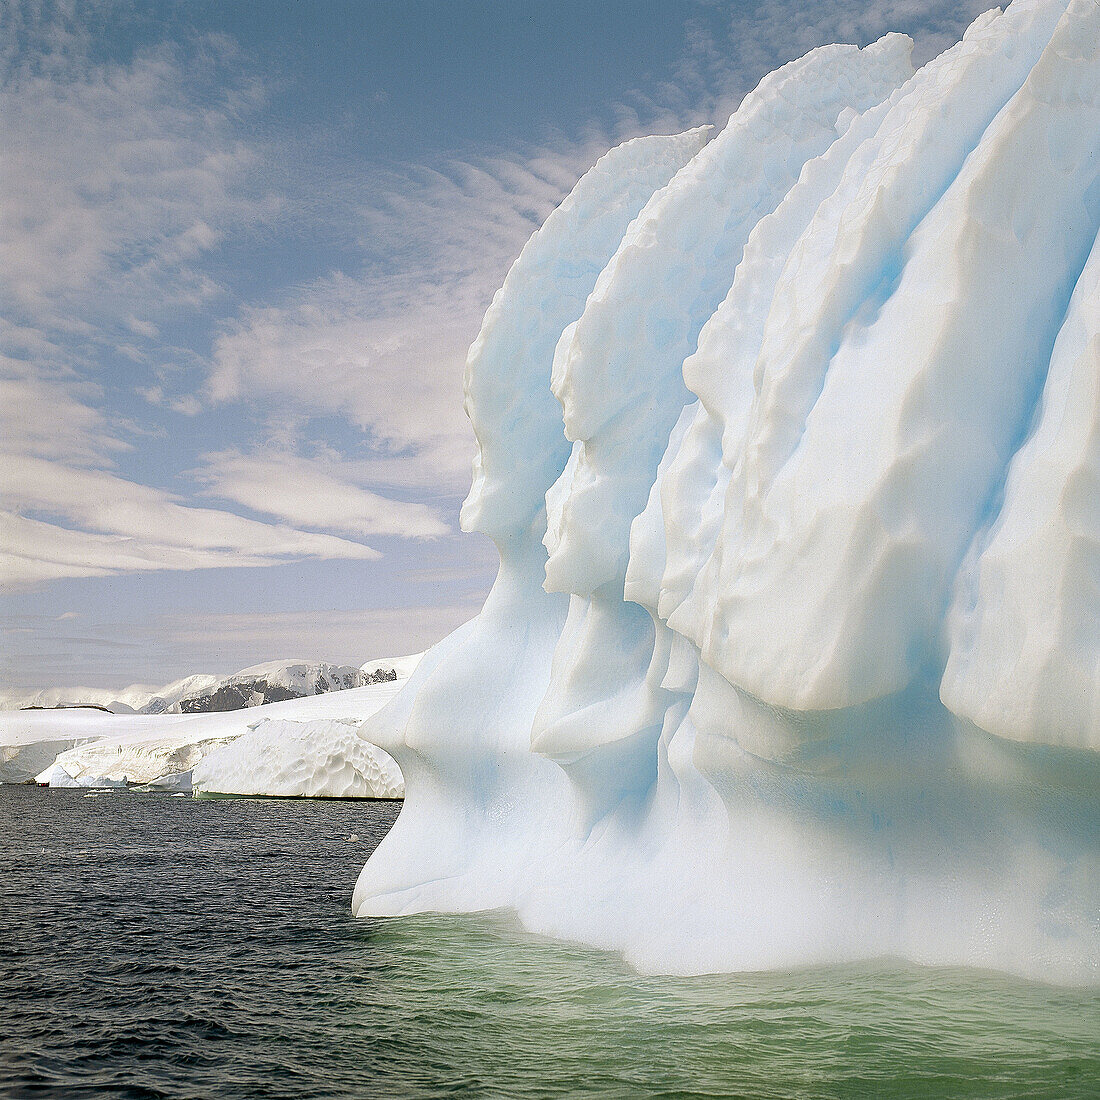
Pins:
x: 138, y: 754
x: 30, y: 740
x: 56, y: 776
x: 793, y: 654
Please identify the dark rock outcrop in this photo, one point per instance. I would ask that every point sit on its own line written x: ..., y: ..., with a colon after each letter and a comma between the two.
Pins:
x: 380, y: 676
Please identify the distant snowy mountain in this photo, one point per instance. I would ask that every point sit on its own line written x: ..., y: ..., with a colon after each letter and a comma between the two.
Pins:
x: 272, y: 682
x: 383, y: 669
x: 119, y: 701
x: 167, y: 699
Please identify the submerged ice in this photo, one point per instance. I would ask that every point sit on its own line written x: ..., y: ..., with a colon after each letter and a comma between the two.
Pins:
x: 788, y: 441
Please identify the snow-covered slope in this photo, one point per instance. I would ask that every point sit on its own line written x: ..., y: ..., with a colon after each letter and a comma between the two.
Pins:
x: 30, y: 740
x: 794, y: 652
x: 380, y: 669
x: 166, y: 700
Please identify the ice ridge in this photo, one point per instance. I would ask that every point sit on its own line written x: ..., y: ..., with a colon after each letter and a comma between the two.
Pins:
x: 788, y: 440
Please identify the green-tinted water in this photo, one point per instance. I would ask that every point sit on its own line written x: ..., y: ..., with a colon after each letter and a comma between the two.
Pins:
x: 160, y: 947
x: 539, y: 1018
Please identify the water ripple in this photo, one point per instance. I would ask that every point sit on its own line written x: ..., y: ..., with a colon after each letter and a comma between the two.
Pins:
x: 161, y: 947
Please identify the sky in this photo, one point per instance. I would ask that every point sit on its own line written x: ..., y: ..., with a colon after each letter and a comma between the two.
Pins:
x: 243, y: 250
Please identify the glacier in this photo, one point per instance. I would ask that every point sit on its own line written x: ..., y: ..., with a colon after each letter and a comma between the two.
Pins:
x: 788, y: 441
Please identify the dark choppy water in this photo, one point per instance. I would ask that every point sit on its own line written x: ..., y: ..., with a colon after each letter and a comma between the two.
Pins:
x: 161, y: 947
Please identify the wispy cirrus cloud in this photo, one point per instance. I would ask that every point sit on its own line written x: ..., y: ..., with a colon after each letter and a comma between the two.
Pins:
x: 34, y: 552
x: 313, y: 492
x: 52, y: 415
x: 67, y: 513
x: 384, y: 348
x: 70, y: 522
x: 117, y: 178
x: 382, y: 361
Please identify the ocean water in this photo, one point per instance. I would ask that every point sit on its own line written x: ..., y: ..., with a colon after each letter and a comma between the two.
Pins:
x: 153, y: 946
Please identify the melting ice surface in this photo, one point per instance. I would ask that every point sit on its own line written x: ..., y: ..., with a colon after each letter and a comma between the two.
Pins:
x: 790, y: 444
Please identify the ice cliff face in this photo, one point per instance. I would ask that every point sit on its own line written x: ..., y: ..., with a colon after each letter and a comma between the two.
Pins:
x: 788, y: 440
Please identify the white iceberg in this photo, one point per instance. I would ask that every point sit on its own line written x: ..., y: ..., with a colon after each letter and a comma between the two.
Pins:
x: 794, y: 655
x: 56, y: 776
x: 137, y: 753
x: 325, y: 758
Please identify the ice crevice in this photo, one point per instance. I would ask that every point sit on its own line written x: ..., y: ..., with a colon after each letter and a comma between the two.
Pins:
x: 788, y: 441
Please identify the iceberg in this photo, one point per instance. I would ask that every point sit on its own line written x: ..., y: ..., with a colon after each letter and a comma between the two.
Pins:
x: 325, y: 758
x: 787, y: 438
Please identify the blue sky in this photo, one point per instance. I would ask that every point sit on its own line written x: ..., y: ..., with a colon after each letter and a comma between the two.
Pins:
x: 244, y: 248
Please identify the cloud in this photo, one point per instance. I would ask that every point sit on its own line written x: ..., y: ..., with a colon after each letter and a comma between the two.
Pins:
x: 384, y: 348
x: 119, y: 180
x: 115, y: 180
x: 101, y: 501
x: 385, y: 358
x: 313, y: 493
x: 128, y: 527
x: 34, y: 552
x: 43, y: 416
x: 77, y: 518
